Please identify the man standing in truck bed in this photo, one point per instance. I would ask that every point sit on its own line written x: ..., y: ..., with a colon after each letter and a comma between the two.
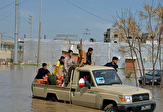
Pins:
x: 68, y: 62
x: 89, y: 58
x: 82, y: 60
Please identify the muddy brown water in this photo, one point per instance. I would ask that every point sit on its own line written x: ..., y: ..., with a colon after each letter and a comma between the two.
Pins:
x: 16, y: 95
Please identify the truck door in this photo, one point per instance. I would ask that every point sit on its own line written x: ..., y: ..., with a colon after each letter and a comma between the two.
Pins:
x: 84, y: 96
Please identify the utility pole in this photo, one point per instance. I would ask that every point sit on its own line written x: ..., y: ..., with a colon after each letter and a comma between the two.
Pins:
x: 161, y: 31
x: 38, y: 55
x: 30, y: 18
x: 16, y: 32
x: 87, y: 33
x: 0, y: 40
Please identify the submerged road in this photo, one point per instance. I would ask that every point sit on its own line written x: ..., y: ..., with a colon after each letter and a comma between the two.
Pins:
x: 16, y: 95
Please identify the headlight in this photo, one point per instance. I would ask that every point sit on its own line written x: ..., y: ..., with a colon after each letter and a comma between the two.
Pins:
x: 150, y: 96
x: 126, y: 99
x: 154, y: 80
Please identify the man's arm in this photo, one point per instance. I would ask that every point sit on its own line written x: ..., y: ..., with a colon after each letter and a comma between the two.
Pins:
x: 38, y: 73
x: 88, y: 61
x: 73, y: 61
x: 81, y: 63
x: 47, y: 72
x: 58, y: 70
x: 117, y: 68
x: 57, y: 67
x: 106, y: 64
x: 65, y: 65
x: 83, y: 55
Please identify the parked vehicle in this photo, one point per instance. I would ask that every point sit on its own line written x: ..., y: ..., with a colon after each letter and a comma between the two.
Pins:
x: 103, y: 90
x: 149, y: 77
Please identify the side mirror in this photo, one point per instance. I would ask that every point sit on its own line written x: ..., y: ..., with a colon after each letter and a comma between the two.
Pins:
x: 87, y: 84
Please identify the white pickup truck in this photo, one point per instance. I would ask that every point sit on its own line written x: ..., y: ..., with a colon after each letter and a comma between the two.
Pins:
x: 107, y: 92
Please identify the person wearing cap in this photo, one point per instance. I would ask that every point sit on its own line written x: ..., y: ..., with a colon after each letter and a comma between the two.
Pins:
x: 59, y: 66
x: 113, y: 63
x: 82, y: 59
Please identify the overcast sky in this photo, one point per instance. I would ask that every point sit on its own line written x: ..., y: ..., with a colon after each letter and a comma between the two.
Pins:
x: 70, y: 17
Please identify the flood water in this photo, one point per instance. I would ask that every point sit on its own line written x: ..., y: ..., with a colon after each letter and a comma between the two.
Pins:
x: 16, y: 95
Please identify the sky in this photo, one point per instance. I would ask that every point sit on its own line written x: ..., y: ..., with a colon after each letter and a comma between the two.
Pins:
x: 69, y: 17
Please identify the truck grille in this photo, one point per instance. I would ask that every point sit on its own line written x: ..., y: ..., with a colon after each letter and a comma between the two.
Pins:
x: 140, y: 97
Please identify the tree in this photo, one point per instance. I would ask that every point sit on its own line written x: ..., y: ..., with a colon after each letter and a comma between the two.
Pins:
x: 128, y: 30
x: 153, y: 16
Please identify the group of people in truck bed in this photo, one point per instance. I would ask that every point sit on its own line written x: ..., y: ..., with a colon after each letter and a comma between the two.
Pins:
x: 62, y: 72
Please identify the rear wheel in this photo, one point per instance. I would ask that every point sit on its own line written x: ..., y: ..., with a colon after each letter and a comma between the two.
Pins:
x: 52, y: 97
x: 110, y: 108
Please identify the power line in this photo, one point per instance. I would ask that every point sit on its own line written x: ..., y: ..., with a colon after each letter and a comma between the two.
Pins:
x: 93, y: 8
x: 88, y: 11
x: 22, y: 3
x: 7, y: 5
x: 50, y: 25
x: 6, y: 11
x: 7, y: 16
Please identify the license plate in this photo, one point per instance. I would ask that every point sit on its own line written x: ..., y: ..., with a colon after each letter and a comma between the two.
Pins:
x: 147, y: 107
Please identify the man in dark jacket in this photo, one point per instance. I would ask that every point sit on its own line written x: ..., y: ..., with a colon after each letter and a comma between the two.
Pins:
x: 88, y: 59
x: 42, y: 71
x: 113, y: 63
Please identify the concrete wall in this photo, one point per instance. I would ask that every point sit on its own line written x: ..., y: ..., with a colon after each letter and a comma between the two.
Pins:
x: 51, y: 50
x: 20, y: 56
x: 6, y: 55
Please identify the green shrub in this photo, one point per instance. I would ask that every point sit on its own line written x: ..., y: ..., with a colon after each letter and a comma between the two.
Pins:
x: 128, y: 73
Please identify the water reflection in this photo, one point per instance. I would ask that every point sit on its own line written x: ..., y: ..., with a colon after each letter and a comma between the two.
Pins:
x: 16, y: 96
x: 49, y: 106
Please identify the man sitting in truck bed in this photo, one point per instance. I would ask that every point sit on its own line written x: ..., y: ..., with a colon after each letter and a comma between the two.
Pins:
x: 42, y: 71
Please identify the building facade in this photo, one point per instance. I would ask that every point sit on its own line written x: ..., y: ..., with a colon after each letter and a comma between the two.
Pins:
x: 111, y: 37
x: 7, y: 51
x: 51, y: 50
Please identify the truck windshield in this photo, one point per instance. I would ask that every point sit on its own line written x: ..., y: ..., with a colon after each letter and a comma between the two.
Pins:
x: 106, y: 77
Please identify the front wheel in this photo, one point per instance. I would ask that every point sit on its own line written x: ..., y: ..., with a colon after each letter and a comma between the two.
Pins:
x: 110, y: 108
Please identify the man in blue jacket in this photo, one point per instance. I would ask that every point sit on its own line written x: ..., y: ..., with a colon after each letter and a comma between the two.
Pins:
x: 113, y: 63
